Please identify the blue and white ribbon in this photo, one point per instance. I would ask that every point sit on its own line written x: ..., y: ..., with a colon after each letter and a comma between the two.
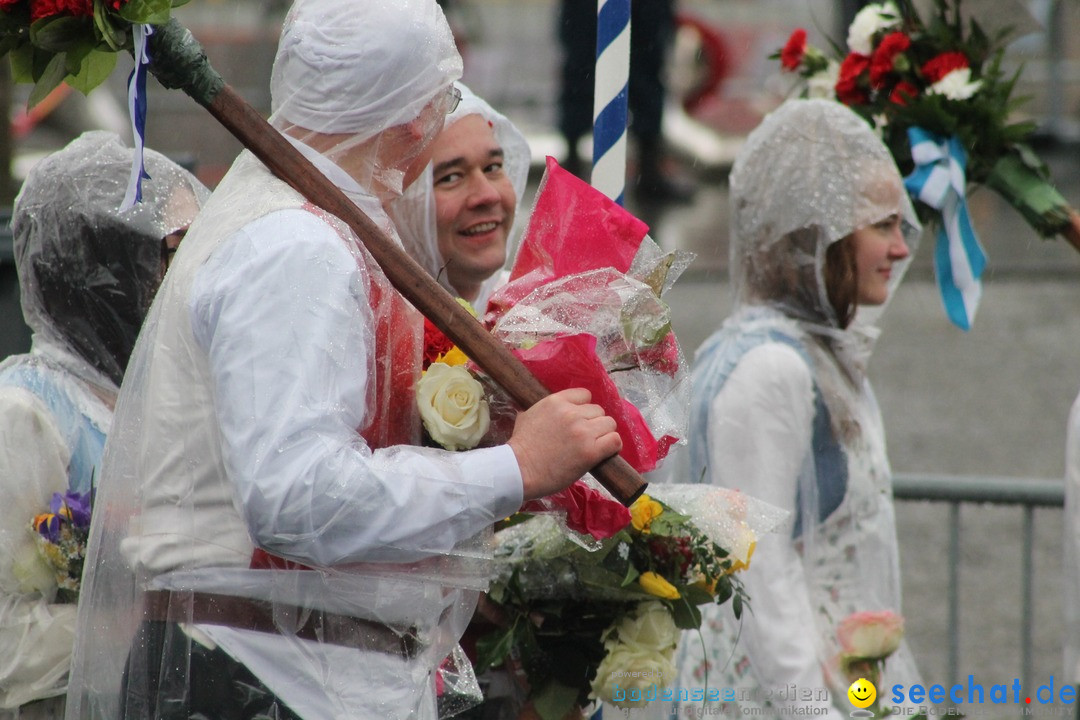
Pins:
x: 137, y: 111
x: 939, y: 180
x: 610, y: 97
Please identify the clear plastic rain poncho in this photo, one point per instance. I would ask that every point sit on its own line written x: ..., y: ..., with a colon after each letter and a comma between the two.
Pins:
x: 267, y: 541
x: 783, y: 411
x: 87, y: 274
x: 414, y: 213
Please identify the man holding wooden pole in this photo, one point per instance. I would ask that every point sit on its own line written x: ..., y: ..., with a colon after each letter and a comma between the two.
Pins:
x: 268, y: 540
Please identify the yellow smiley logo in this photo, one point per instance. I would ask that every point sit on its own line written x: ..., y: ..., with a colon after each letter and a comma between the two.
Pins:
x: 862, y: 693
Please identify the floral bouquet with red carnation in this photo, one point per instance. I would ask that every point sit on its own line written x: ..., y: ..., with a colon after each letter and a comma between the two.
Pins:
x: 72, y: 41
x: 936, y: 92
x: 585, y: 626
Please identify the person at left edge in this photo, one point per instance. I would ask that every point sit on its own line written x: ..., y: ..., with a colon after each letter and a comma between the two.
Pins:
x: 87, y: 274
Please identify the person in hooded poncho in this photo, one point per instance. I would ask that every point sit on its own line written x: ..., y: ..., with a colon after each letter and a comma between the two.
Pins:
x: 821, y: 234
x: 460, y: 219
x: 270, y: 541
x: 87, y: 274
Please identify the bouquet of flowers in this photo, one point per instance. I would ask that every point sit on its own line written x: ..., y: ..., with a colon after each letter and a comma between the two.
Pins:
x: 60, y: 537
x: 603, y: 624
x: 582, y: 308
x: 936, y: 91
x: 72, y: 41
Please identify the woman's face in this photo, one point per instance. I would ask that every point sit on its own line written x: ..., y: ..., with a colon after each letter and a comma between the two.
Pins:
x: 877, y: 247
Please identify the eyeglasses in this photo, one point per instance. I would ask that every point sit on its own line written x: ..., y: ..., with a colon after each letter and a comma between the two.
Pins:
x: 455, y: 99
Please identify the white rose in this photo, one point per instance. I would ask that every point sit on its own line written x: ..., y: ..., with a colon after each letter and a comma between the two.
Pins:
x: 650, y: 628
x: 630, y: 677
x: 452, y: 406
x: 956, y: 85
x: 31, y: 572
x: 823, y: 84
x: 867, y: 23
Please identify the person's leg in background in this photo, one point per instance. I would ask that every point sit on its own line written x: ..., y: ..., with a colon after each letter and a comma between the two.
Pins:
x: 652, y: 31
x: 576, y: 27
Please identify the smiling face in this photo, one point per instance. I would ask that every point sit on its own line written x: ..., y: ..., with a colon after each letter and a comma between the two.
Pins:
x: 862, y: 693
x: 878, y: 246
x: 474, y: 203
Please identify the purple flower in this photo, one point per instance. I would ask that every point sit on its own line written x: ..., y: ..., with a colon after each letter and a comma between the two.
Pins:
x: 48, y: 526
x: 71, y: 507
x: 78, y: 505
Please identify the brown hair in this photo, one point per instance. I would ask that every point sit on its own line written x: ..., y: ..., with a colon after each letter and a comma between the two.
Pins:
x: 841, y: 279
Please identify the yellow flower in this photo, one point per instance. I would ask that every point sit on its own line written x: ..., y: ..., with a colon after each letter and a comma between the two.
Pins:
x: 743, y: 564
x: 655, y: 584
x: 643, y: 512
x: 467, y: 305
x: 453, y: 356
x: 40, y: 520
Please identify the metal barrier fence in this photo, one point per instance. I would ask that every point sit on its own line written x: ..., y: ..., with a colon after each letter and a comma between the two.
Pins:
x: 1030, y: 493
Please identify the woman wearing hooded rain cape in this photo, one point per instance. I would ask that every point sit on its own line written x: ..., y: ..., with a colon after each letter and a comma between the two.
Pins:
x: 783, y: 410
x: 88, y: 271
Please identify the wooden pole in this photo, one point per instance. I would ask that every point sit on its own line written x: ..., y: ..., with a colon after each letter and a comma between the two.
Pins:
x: 406, y: 275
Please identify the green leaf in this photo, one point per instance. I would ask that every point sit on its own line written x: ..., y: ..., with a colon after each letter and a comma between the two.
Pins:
x: 150, y: 12
x: 669, y: 524
x: 9, y: 43
x: 686, y: 615
x: 22, y: 63
x: 60, y: 33
x: 554, y: 700
x: 656, y: 278
x: 737, y: 605
x: 50, y: 79
x: 696, y: 595
x: 493, y: 649
x: 723, y: 589
x: 113, y: 35
x: 95, y: 69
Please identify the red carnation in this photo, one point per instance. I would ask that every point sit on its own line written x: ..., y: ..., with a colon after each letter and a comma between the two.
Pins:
x: 794, y: 49
x: 48, y: 8
x: 435, y: 343
x: 847, y: 86
x: 940, y: 66
x: 903, y: 92
x: 881, y: 62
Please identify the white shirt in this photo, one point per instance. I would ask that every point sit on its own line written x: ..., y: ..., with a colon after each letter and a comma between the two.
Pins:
x: 277, y: 308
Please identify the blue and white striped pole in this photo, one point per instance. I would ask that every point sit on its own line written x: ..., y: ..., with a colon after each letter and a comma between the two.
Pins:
x: 610, y: 97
